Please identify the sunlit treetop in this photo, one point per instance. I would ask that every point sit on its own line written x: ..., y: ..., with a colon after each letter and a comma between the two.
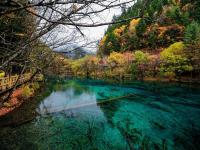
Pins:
x: 133, y: 24
x: 116, y: 59
x: 119, y: 31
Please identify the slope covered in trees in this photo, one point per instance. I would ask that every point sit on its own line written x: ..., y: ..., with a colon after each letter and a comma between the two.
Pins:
x: 168, y: 32
x: 164, y: 22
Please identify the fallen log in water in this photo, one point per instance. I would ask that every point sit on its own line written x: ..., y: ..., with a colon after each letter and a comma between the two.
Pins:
x: 105, y: 101
x: 100, y: 102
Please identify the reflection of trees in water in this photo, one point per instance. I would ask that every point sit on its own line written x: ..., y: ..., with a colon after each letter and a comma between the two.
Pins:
x: 24, y: 114
x: 70, y: 95
x: 63, y: 85
x: 56, y: 84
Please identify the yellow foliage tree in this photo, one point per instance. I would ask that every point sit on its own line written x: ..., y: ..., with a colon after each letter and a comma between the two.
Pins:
x: 76, y: 66
x: 103, y: 40
x: 118, y: 31
x: 83, y: 65
x: 101, y: 45
x: 2, y: 74
x: 116, y: 59
x: 174, y: 60
x: 27, y: 91
x: 175, y: 49
x: 133, y: 24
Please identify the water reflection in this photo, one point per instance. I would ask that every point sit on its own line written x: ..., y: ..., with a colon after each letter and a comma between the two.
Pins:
x: 157, y: 117
x: 66, y: 100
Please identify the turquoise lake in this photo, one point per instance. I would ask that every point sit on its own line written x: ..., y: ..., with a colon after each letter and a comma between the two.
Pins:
x: 98, y: 115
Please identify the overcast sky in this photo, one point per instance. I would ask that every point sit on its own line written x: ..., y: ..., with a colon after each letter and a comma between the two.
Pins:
x: 93, y: 33
x: 97, y: 32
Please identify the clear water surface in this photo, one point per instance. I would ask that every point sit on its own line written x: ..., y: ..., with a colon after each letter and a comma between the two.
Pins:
x: 96, y: 115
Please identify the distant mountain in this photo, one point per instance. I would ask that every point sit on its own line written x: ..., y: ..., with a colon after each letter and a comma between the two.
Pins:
x: 73, y: 51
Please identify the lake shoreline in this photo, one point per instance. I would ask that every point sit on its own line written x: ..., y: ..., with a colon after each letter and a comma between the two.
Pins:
x: 17, y: 101
x: 187, y: 81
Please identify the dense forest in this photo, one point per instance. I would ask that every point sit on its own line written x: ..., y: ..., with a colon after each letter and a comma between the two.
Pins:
x: 165, y: 38
x: 163, y: 22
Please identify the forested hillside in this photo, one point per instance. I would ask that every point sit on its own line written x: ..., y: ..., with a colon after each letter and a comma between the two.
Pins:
x: 162, y: 23
x: 167, y: 32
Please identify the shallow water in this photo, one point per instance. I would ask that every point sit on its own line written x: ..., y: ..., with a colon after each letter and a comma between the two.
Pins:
x: 95, y: 115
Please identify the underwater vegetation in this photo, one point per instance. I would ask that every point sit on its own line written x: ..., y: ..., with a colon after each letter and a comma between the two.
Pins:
x: 81, y: 114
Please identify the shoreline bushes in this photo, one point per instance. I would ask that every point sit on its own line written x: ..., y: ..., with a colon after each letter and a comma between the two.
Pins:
x: 172, y: 63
